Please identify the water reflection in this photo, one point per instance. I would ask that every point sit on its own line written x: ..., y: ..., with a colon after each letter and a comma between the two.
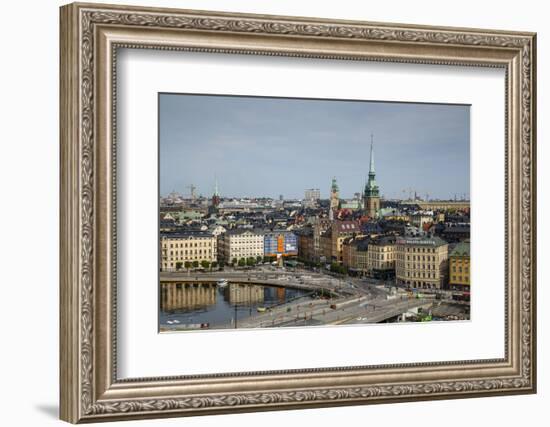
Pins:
x: 177, y: 296
x: 239, y: 293
x: 191, y: 304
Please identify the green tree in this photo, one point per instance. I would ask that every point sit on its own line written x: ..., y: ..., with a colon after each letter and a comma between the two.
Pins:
x: 242, y: 262
x: 188, y: 265
x: 205, y: 264
x: 234, y: 261
x: 179, y: 265
x: 335, y: 267
x: 214, y: 264
x: 195, y: 264
x: 258, y: 259
x: 250, y: 261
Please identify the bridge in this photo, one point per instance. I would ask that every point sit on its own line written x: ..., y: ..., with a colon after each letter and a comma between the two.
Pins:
x: 310, y: 282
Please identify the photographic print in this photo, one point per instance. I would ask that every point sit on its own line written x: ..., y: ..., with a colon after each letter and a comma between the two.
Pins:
x: 304, y: 180
x: 292, y: 212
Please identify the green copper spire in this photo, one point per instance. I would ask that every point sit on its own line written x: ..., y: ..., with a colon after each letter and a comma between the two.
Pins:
x: 334, y: 186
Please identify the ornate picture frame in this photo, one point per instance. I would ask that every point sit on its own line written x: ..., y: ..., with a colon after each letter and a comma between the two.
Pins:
x: 90, y: 37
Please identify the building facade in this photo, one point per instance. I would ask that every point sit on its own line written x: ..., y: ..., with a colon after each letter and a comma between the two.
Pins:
x: 311, y: 197
x: 177, y: 249
x: 381, y: 257
x: 459, y: 267
x: 371, y: 195
x: 421, y: 262
x: 280, y: 243
x: 355, y: 254
x: 325, y: 246
x: 341, y: 230
x: 241, y: 243
x: 320, y: 227
x: 306, y: 250
x: 217, y: 231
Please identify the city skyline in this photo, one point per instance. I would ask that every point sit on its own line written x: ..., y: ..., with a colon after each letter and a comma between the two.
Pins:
x: 266, y: 147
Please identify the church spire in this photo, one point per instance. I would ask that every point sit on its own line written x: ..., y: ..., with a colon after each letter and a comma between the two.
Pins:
x: 371, y: 169
x: 371, y: 195
x: 216, y: 190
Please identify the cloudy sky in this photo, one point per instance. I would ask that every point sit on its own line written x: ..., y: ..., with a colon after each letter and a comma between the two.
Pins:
x: 258, y: 146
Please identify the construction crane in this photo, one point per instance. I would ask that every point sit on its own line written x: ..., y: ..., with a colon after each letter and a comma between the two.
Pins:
x: 410, y: 192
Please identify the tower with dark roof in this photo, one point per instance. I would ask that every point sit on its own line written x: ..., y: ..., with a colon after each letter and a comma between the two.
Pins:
x: 216, y: 196
x: 371, y: 195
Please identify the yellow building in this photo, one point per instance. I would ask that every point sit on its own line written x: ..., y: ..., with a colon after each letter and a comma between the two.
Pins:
x: 362, y: 257
x: 241, y: 243
x: 459, y: 267
x: 349, y: 250
x: 178, y: 248
x: 355, y: 256
x: 381, y: 257
x: 341, y: 230
x: 421, y: 262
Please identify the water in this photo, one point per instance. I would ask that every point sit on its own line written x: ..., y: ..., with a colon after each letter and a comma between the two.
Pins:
x: 192, y: 304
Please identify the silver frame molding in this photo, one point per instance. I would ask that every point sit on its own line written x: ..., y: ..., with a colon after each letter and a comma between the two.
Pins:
x: 90, y: 37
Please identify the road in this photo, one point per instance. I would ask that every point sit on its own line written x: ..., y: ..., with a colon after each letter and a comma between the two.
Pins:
x: 352, y: 300
x: 350, y: 310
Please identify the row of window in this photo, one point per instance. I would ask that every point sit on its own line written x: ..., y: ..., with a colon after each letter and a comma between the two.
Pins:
x: 381, y: 264
x: 245, y: 239
x: 416, y: 257
x: 380, y: 256
x: 384, y: 265
x: 417, y: 250
x: 190, y: 252
x: 167, y: 265
x: 204, y: 243
x: 460, y: 278
x: 243, y: 251
x: 419, y: 274
x: 466, y: 269
x: 383, y: 248
x: 401, y: 264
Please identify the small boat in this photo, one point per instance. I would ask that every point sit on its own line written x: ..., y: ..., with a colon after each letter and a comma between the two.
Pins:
x: 222, y: 283
x: 261, y: 309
